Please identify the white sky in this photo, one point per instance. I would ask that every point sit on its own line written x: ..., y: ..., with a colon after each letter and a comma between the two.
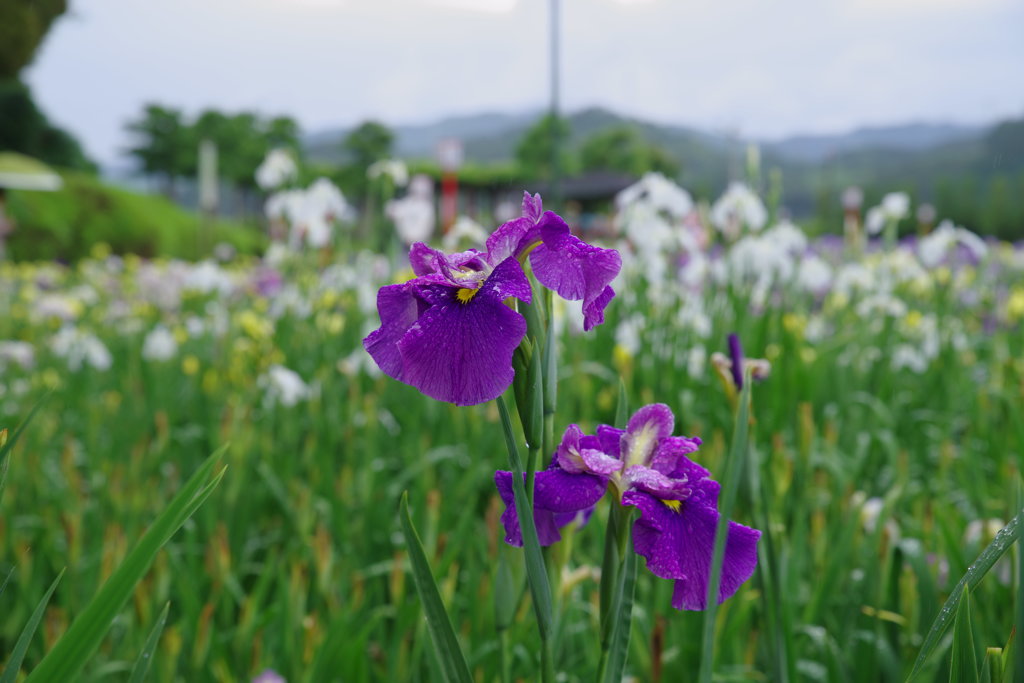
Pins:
x: 764, y: 68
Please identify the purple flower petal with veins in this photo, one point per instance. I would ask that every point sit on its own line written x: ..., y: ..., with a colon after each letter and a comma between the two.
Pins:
x: 651, y: 471
x: 449, y: 333
x: 557, y: 497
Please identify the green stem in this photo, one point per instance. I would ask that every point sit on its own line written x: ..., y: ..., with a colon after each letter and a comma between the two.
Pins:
x: 536, y: 572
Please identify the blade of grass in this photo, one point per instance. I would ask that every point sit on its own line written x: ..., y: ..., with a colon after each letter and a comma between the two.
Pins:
x: 963, y: 667
x: 142, y: 664
x: 7, y: 443
x: 21, y: 647
x: 731, y: 481
x: 988, y: 557
x: 622, y: 616
x: 83, y: 637
x: 446, y: 644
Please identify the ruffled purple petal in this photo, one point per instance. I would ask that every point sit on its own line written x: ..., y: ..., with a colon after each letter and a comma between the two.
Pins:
x: 610, y: 440
x: 574, y: 269
x: 462, y: 269
x: 462, y: 352
x: 645, y: 430
x: 705, y: 490
x: 678, y: 544
x: 667, y: 455
x: 657, y: 484
x: 578, y: 453
x: 567, y: 454
x: 557, y: 498
x: 423, y: 259
x: 533, y: 206
x: 398, y: 308
x: 507, y: 279
x: 593, y: 311
x: 511, y: 238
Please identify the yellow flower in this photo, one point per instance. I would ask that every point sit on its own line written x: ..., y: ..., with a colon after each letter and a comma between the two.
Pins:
x: 795, y: 324
x: 1015, y: 304
x: 210, y: 381
x: 253, y: 325
x: 621, y: 357
x: 328, y: 299
x: 100, y: 251
x: 190, y: 365
x: 180, y: 334
x: 913, y: 319
x: 51, y: 378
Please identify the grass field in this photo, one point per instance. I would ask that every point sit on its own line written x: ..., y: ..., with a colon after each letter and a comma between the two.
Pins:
x: 885, y: 454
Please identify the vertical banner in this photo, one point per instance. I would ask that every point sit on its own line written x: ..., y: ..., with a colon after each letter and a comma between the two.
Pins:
x: 449, y: 155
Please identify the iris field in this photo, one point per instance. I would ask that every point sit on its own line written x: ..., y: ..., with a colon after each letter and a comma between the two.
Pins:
x: 883, y: 458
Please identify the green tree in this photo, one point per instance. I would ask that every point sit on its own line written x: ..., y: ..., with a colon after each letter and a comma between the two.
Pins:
x: 161, y: 144
x: 623, y: 149
x: 370, y: 141
x: 282, y: 131
x: 25, y: 129
x: 23, y: 25
x: 1005, y: 145
x: 535, y: 152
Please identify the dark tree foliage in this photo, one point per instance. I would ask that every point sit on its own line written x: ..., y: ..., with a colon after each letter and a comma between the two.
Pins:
x: 370, y: 141
x: 535, y: 152
x: 25, y: 129
x: 23, y: 25
x: 623, y: 149
x: 161, y: 146
x: 1005, y: 145
x: 167, y: 143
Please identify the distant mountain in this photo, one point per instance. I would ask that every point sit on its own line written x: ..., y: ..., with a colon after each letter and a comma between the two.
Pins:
x: 419, y: 141
x: 492, y: 137
x: 905, y: 137
x: 923, y: 157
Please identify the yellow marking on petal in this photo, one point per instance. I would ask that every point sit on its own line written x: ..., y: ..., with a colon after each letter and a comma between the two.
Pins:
x: 673, y: 505
x: 464, y: 295
x: 641, y: 444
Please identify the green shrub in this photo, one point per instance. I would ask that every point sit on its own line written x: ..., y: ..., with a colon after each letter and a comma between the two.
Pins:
x: 67, y: 224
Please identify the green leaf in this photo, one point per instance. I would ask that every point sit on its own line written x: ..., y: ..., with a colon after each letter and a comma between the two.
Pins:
x: 622, y: 617
x: 7, y: 579
x: 145, y: 659
x: 622, y: 407
x: 440, y: 626
x: 506, y: 594
x: 964, y: 665
x: 535, y: 570
x: 533, y: 424
x: 992, y: 668
x: 5, y: 449
x: 730, y: 486
x: 986, y: 560
x: 83, y: 637
x: 21, y: 647
x: 550, y: 361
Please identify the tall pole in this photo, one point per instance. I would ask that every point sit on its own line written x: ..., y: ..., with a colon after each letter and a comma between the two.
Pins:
x: 556, y: 135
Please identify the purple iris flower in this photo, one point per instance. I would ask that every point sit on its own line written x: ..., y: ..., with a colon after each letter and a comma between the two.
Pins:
x: 648, y: 469
x: 448, y: 332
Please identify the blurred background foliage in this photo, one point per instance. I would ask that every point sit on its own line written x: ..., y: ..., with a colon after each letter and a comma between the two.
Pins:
x: 974, y: 177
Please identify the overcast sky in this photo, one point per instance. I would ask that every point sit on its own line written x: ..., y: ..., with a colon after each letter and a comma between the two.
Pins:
x: 763, y: 68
